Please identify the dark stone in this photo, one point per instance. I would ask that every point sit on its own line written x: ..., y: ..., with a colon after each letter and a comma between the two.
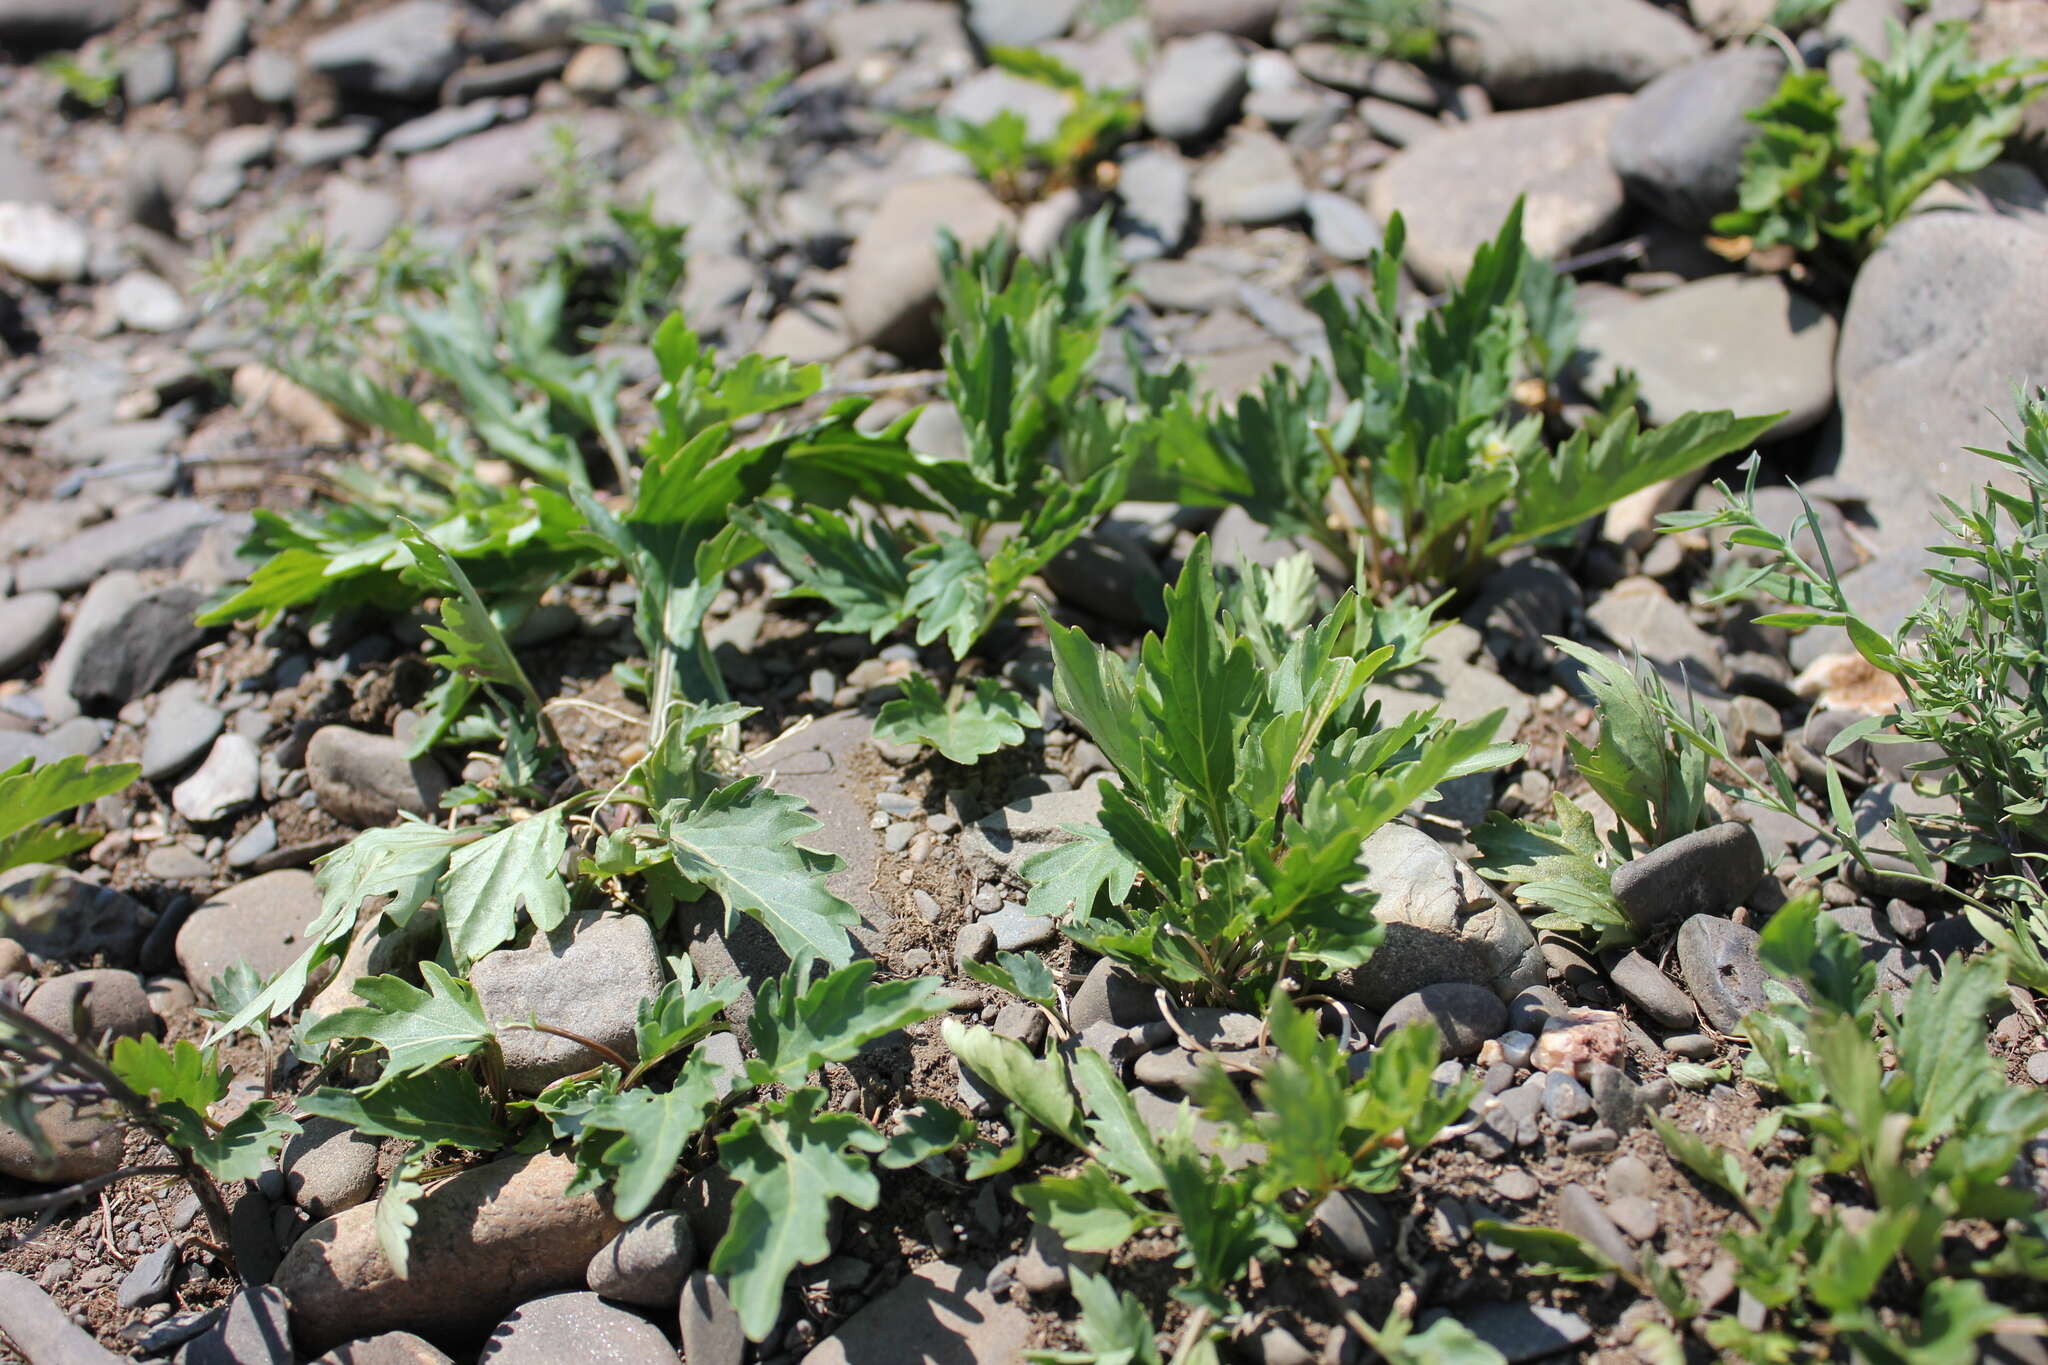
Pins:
x: 1723, y: 969
x: 1465, y: 1015
x: 1707, y: 872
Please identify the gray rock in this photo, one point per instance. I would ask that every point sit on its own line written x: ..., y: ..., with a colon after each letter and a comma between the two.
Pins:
x: 1890, y: 873
x: 149, y: 1279
x: 1527, y: 52
x: 261, y: 922
x: 387, y: 1348
x: 27, y: 623
x: 1707, y: 872
x: 588, y: 976
x: 1397, y: 125
x: 1109, y: 995
x: 1342, y: 227
x: 328, y: 1166
x: 1110, y: 573
x: 223, y: 34
x: 157, y: 537
x: 1936, y: 330
x: 1639, y: 616
x: 57, y: 915
x: 1521, y: 1331
x: 1194, y: 87
x: 1456, y: 190
x: 504, y: 1232
x: 1741, y: 342
x: 28, y: 26
x: 1354, y: 1227
x: 259, y: 839
x: 1004, y: 23
x: 1580, y: 1212
x: 366, y: 780
x: 1722, y: 968
x: 1442, y: 923
x: 1253, y: 181
x: 1155, y: 203
x: 183, y: 726
x: 990, y: 94
x: 892, y: 274
x: 326, y: 146
x: 440, y: 128
x: 256, y: 1330
x: 1245, y: 18
x: 96, y: 1004
x: 648, y: 1262
x: 947, y: 1310
x: 37, y: 242
x: 1465, y: 1015
x: 1678, y: 146
x: 1006, y: 837
x: 710, y: 1325
x: 1654, y: 993
x: 146, y: 301
x: 559, y: 1327
x: 226, y: 781
x: 401, y: 53
x: 1015, y: 930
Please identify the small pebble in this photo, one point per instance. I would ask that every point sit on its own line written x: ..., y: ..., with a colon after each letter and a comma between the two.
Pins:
x: 1515, y: 1047
x: 1694, y: 1047
x: 1592, y: 1140
x: 1516, y: 1184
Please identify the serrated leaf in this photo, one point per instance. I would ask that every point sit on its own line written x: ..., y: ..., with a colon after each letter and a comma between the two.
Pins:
x: 791, y: 1161
x: 181, y: 1083
x: 1038, y: 1087
x: 796, y: 1032
x: 490, y: 881
x: 396, y: 1217
x: 416, y: 1028
x: 971, y: 728
x: 402, y: 863
x: 182, y: 1074
x: 475, y: 643
x: 443, y: 1105
x: 1587, y: 474
x: 1548, y: 1251
x: 1068, y: 879
x: 923, y: 1132
x: 246, y: 1146
x: 1090, y: 1210
x: 1024, y: 975
x: 638, y: 1136
x: 740, y: 844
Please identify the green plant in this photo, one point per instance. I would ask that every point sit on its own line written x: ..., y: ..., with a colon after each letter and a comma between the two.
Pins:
x: 1441, y: 453
x: 1972, y: 660
x: 729, y: 115
x: 1323, y: 1130
x: 92, y: 86
x: 1647, y: 774
x: 1249, y: 780
x: 1405, y: 30
x: 1935, y: 112
x: 31, y: 796
x: 1908, y: 1134
x: 165, y: 1092
x: 1042, y: 465
x: 632, y: 1120
x: 1018, y: 166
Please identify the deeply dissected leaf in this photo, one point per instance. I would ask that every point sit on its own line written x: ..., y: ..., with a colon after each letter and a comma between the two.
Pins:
x: 1090, y: 1210
x: 181, y: 1083
x: 973, y: 726
x: 182, y: 1074
x: 791, y: 1160
x: 740, y: 844
x: 950, y: 595
x: 1021, y: 974
x: 475, y: 643
x: 1114, y: 1326
x: 396, y: 1217
x: 860, y: 574
x: 1562, y: 868
x: 417, y: 1028
x: 923, y: 1132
